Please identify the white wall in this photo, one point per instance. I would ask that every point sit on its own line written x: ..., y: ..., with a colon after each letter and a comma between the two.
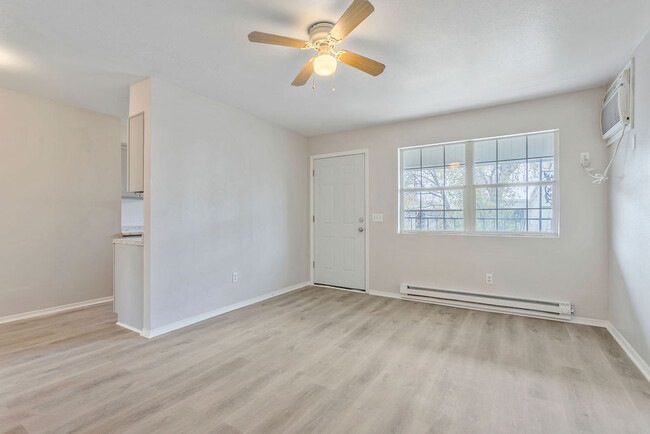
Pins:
x: 60, y: 195
x: 140, y: 102
x: 228, y: 192
x: 630, y: 220
x: 572, y: 267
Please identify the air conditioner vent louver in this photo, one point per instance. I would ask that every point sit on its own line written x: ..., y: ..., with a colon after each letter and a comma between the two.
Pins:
x: 617, y: 106
x: 610, y: 116
x: 522, y: 306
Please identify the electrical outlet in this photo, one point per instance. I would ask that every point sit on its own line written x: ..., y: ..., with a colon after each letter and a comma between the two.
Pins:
x: 585, y: 158
x: 488, y: 278
x: 235, y: 277
x: 377, y: 218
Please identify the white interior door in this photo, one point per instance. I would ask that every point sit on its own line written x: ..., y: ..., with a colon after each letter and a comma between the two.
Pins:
x: 339, y: 221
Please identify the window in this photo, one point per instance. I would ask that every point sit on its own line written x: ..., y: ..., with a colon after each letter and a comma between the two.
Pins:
x: 433, y: 184
x: 488, y: 186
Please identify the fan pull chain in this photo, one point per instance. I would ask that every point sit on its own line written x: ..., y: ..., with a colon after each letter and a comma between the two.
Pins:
x: 333, y: 76
x: 313, y: 82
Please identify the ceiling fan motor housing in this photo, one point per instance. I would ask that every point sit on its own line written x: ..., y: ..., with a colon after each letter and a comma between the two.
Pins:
x: 318, y: 33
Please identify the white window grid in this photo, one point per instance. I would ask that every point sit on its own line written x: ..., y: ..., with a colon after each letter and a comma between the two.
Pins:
x: 469, y: 190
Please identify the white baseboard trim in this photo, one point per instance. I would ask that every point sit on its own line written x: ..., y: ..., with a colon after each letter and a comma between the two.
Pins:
x: 128, y: 327
x: 386, y: 294
x: 618, y: 337
x: 51, y: 310
x: 575, y: 319
x: 201, y: 317
x: 590, y: 321
x: 463, y: 305
x: 629, y: 350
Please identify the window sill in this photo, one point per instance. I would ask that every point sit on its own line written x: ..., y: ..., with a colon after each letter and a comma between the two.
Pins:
x: 484, y: 234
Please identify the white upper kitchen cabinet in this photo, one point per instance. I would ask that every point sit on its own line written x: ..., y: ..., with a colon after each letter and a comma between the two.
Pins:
x: 135, y: 152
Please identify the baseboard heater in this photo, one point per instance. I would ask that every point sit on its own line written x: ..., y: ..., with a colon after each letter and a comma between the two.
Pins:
x: 495, y: 303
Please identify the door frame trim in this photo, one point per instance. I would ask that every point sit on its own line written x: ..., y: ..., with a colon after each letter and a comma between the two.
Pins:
x: 365, y: 153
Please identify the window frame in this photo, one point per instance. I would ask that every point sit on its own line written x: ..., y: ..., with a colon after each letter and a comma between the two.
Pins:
x: 469, y: 190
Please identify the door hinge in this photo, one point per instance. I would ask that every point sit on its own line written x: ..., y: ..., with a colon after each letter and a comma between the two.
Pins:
x: 313, y: 172
x: 313, y: 264
x: 313, y: 218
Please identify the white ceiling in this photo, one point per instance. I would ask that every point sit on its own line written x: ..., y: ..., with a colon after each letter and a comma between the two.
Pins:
x: 441, y: 55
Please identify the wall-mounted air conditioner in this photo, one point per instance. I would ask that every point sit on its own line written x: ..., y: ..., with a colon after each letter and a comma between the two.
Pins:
x: 618, y: 105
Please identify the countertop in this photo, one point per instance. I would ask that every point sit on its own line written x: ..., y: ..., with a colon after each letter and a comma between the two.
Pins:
x: 130, y: 241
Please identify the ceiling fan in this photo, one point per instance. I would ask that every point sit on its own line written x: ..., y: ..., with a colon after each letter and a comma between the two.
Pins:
x: 323, y: 36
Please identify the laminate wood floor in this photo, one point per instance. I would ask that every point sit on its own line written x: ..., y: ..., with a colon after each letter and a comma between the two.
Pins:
x: 319, y: 360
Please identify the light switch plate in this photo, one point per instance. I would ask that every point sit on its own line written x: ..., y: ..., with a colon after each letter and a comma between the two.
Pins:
x: 377, y: 218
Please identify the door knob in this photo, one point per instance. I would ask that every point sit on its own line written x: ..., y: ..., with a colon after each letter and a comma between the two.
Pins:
x: 360, y: 229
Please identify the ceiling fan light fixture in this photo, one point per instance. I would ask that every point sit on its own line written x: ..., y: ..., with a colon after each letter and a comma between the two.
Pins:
x: 325, y: 64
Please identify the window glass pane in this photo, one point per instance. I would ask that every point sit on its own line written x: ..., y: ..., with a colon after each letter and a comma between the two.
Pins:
x: 547, y: 196
x: 511, y: 148
x: 534, y: 196
x: 486, y: 220
x: 411, y: 201
x: 485, y: 173
x: 411, y: 178
x: 486, y: 198
x: 485, y: 151
x: 432, y: 200
x: 540, y: 145
x: 411, y: 158
x: 533, y: 225
x: 454, y: 199
x: 433, y: 177
x: 411, y: 220
x: 511, y: 220
x: 548, y: 170
x: 432, y: 217
x: 534, y: 170
x: 433, y: 221
x: 433, y: 156
x: 454, y: 176
x: 455, y: 154
x: 511, y: 197
x: 453, y: 220
x: 512, y: 171
x: 541, y: 169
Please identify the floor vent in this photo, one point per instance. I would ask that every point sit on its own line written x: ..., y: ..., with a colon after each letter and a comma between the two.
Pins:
x: 495, y: 303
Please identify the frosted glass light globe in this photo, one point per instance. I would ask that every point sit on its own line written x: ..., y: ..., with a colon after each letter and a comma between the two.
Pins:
x: 325, y: 64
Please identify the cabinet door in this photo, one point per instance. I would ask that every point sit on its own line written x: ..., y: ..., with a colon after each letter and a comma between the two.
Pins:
x: 128, y: 284
x: 125, y: 169
x: 135, y: 148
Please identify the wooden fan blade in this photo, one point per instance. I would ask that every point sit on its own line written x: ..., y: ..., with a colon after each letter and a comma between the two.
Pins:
x: 268, y: 38
x: 351, y: 18
x: 364, y: 64
x: 304, y: 73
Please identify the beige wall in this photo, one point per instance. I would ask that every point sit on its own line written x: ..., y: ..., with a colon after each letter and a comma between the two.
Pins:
x: 630, y: 220
x: 60, y: 196
x: 228, y: 192
x: 572, y: 267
